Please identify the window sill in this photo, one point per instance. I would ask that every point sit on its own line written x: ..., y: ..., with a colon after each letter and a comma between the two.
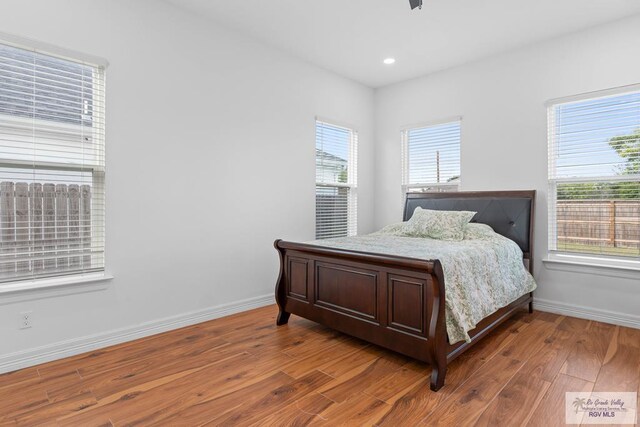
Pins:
x: 593, y: 265
x: 52, y: 287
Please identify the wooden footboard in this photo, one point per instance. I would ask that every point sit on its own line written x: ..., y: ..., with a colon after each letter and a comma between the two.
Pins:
x: 394, y: 302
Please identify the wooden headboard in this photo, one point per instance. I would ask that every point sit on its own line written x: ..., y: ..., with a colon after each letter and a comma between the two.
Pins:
x: 509, y: 213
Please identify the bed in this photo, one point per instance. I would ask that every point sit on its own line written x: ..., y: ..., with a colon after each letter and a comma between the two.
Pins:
x: 398, y: 302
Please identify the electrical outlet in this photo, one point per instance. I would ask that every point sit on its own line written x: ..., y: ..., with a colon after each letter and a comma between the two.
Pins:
x: 25, y: 319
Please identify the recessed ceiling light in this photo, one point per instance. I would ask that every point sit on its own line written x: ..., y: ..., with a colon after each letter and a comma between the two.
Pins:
x: 389, y: 61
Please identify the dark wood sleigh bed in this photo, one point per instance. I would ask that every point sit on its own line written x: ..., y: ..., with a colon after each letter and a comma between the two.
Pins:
x: 398, y: 302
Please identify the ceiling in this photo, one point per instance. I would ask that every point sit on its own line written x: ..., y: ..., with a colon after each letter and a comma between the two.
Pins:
x: 352, y: 37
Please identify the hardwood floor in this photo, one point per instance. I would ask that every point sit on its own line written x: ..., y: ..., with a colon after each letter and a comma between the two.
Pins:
x: 243, y: 370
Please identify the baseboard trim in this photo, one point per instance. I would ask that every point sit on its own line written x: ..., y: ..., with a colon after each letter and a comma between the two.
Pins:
x: 62, y: 349
x: 605, y: 316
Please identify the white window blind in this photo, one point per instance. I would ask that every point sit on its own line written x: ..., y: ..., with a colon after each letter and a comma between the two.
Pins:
x: 52, y: 165
x: 594, y: 176
x: 431, y: 157
x: 336, y: 180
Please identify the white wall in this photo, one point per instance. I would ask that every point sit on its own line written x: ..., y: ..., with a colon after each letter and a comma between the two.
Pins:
x: 504, y: 139
x: 201, y: 115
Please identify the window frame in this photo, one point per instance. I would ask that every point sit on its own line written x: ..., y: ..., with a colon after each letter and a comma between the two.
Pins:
x: 97, y: 167
x: 352, y: 177
x: 580, y: 259
x: 406, y: 187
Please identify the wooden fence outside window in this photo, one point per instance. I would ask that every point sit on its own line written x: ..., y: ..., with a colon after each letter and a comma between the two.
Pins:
x: 599, y: 223
x: 44, y: 227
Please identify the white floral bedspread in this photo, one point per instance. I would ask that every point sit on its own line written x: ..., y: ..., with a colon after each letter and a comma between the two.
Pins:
x: 481, y: 275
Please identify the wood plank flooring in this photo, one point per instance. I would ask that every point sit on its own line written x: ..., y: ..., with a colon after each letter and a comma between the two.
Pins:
x: 243, y: 370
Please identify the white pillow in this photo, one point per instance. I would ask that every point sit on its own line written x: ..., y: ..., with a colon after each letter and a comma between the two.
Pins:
x: 442, y: 225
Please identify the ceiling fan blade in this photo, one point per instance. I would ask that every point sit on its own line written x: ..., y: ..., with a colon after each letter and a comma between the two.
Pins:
x: 415, y: 3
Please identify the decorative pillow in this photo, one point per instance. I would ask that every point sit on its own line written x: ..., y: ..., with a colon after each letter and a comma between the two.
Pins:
x: 477, y: 231
x: 442, y: 225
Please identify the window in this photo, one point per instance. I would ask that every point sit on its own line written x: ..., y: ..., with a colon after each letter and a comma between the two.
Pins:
x: 336, y: 180
x: 52, y: 165
x: 431, y: 157
x: 594, y: 176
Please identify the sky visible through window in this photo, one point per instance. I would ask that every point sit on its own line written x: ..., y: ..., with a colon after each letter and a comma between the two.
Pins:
x: 433, y: 146
x: 583, y: 130
x: 333, y: 140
